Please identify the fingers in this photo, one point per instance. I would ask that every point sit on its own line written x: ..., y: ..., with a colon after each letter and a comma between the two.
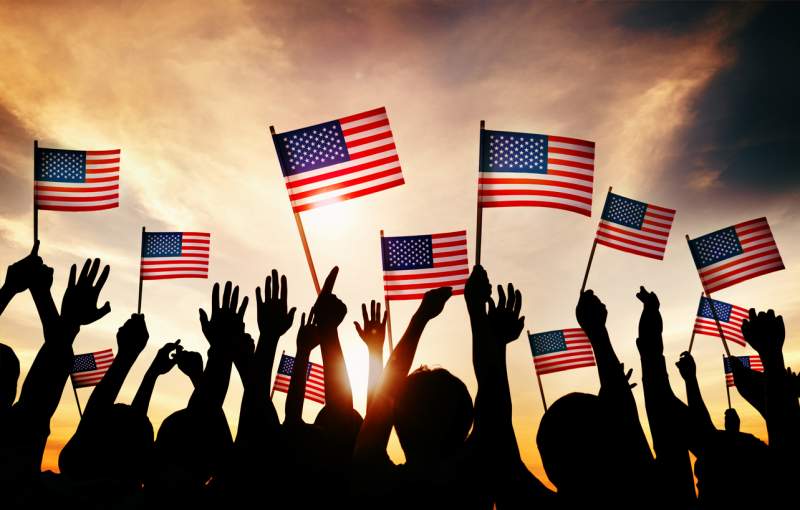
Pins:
x: 85, y: 270
x: 243, y: 308
x: 235, y: 297
x: 203, y: 319
x: 72, y: 271
x: 35, y: 249
x: 93, y: 271
x: 501, y: 299
x: 215, y: 299
x: 226, y: 296
x: 364, y: 313
x: 327, y: 288
x: 284, y: 293
x: 517, y: 302
x: 275, y: 291
x: 377, y: 315
x: 103, y: 311
x: 303, y: 320
x: 291, y: 315
x: 358, y: 329
x: 103, y: 277
x: 259, y: 301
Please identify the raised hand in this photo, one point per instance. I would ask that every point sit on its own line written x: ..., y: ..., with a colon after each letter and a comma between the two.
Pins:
x: 308, y: 336
x: 504, y: 321
x: 20, y: 274
x: 591, y: 313
x: 433, y: 303
x: 166, y: 358
x: 225, y: 328
x: 374, y: 329
x: 686, y: 366
x: 478, y: 290
x: 329, y: 309
x: 132, y: 336
x: 79, y: 305
x: 190, y: 363
x: 274, y: 318
x: 765, y: 332
x: 650, y: 323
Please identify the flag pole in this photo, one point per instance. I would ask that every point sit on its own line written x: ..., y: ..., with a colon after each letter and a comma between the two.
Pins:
x: 388, y: 310
x: 479, y: 222
x: 75, y: 391
x: 272, y: 393
x: 539, y: 380
x: 713, y: 311
x: 591, y: 253
x: 728, y: 388
x: 299, y: 224
x: 691, y: 341
x: 139, y: 301
x: 35, y: 206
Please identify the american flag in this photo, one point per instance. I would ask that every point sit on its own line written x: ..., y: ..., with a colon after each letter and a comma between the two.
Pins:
x: 89, y: 369
x: 315, y: 379
x: 413, y: 265
x: 735, y: 254
x: 175, y: 255
x: 730, y: 320
x: 521, y: 169
x: 554, y: 351
x: 66, y: 180
x: 751, y: 362
x: 339, y: 160
x: 635, y: 227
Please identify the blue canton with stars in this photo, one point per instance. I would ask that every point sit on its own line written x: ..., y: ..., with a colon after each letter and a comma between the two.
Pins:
x: 83, y: 363
x: 58, y: 165
x: 162, y: 244
x: 287, y: 366
x: 711, y: 248
x: 407, y: 252
x: 547, y: 342
x: 624, y: 211
x: 723, y: 310
x: 744, y: 359
x: 311, y: 148
x: 505, y: 151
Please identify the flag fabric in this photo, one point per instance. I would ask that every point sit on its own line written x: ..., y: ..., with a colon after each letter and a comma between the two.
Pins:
x: 67, y: 180
x: 730, y: 320
x: 751, y: 362
x: 339, y: 160
x: 175, y: 255
x: 563, y: 349
x: 315, y: 379
x: 89, y: 369
x: 522, y: 169
x: 413, y: 265
x: 635, y: 227
x: 735, y: 254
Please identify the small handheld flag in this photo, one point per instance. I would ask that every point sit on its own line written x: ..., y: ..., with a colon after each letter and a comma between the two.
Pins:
x: 88, y: 369
x: 635, y: 227
x: 413, y: 265
x: 315, y: 379
x: 76, y: 181
x: 730, y: 320
x: 735, y: 254
x: 555, y: 351
x: 168, y: 255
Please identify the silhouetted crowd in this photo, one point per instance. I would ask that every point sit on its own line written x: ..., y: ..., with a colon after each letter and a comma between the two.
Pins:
x: 459, y: 453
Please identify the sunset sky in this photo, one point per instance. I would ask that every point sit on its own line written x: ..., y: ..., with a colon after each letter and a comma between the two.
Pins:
x: 692, y: 107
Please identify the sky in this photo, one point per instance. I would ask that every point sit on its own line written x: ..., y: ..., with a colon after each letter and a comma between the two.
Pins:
x: 692, y: 106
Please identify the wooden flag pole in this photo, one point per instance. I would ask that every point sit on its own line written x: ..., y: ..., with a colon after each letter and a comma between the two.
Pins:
x: 539, y: 380
x: 728, y: 388
x: 713, y: 311
x: 35, y: 207
x: 272, y: 393
x: 591, y: 253
x: 479, y: 222
x: 388, y: 310
x: 75, y: 391
x: 299, y: 224
x: 691, y: 341
x: 139, y: 301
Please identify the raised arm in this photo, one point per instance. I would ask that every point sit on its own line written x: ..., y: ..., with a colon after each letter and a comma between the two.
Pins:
x: 166, y: 358
x: 19, y: 276
x: 307, y: 341
x: 374, y: 434
x: 701, y: 418
x: 226, y: 337
x: 330, y: 311
x: 751, y: 385
x: 258, y: 415
x: 765, y: 332
x: 373, y: 333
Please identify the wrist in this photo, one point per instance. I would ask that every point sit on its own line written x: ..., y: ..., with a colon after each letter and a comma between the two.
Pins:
x: 6, y: 293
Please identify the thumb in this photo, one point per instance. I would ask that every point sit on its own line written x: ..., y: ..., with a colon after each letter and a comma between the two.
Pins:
x: 358, y: 329
x: 203, y: 319
x: 105, y: 310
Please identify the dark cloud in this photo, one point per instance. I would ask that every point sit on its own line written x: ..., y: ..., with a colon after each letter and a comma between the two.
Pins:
x: 673, y: 17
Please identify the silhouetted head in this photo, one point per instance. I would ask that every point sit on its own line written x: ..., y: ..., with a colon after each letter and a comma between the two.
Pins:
x: 114, y: 445
x: 577, y: 443
x: 732, y: 421
x: 9, y: 375
x: 734, y: 471
x: 433, y: 414
x: 340, y: 429
x: 190, y: 449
